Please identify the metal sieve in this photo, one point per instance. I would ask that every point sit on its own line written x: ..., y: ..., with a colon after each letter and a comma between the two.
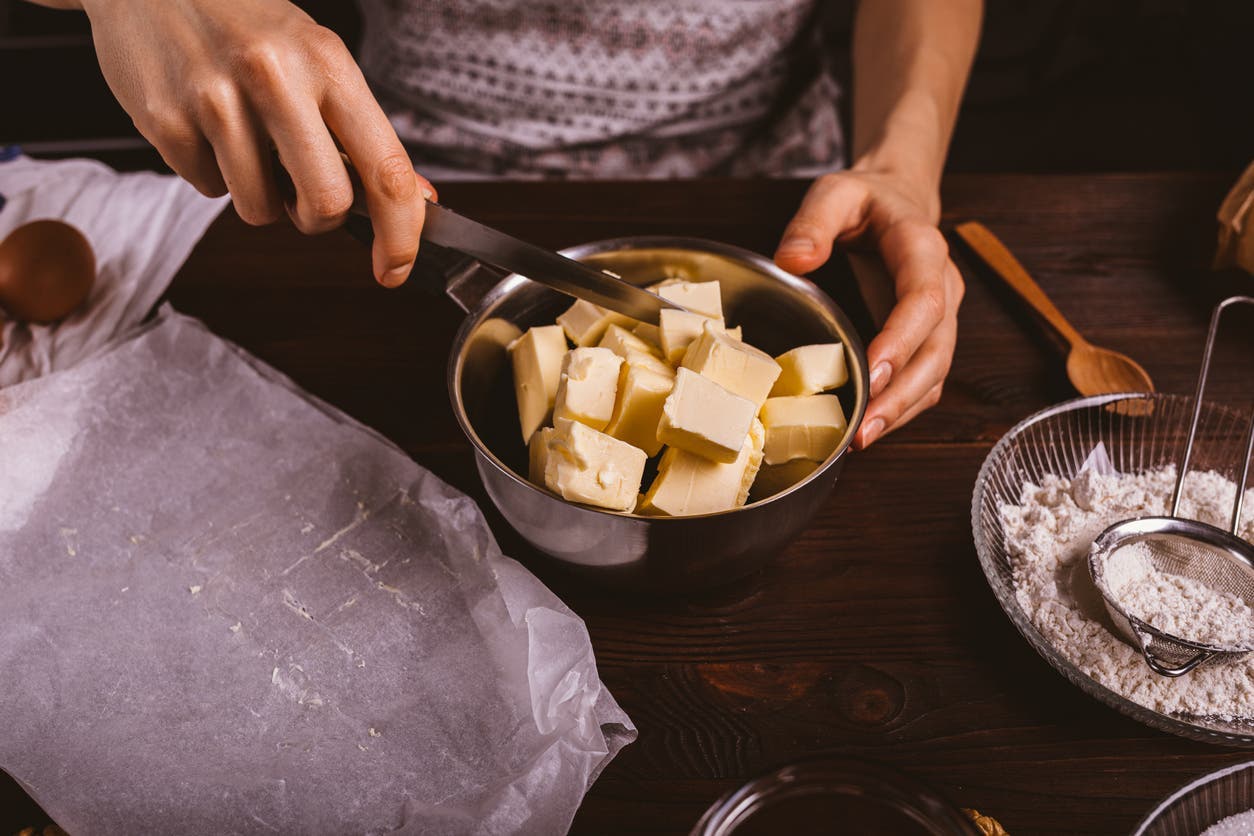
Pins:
x: 1215, y: 558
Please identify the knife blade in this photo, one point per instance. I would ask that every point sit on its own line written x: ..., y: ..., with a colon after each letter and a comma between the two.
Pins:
x: 445, y: 227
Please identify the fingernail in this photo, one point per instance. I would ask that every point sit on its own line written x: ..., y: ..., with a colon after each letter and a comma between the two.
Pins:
x: 427, y: 194
x: 795, y: 245
x: 880, y: 376
x: 397, y: 276
x: 872, y: 430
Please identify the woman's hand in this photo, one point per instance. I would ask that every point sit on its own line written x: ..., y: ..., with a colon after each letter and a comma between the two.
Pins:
x: 911, y: 355
x: 215, y: 84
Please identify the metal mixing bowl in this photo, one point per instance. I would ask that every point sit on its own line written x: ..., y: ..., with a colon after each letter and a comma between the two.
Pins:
x: 779, y: 311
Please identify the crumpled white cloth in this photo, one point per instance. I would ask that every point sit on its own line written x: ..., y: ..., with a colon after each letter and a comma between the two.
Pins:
x: 142, y: 227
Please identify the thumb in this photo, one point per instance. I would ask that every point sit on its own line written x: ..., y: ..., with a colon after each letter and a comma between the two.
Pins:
x: 834, y: 205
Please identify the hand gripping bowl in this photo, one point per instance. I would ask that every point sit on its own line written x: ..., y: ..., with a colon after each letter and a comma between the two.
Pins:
x: 778, y: 311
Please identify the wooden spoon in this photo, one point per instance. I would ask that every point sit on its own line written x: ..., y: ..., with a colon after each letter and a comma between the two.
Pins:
x: 47, y: 269
x: 1092, y: 370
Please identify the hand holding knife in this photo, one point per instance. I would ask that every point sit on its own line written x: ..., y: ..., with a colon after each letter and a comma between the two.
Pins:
x: 447, y: 228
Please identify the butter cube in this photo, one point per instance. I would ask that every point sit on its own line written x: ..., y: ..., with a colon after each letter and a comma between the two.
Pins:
x: 651, y: 362
x: 649, y: 333
x: 773, y: 478
x: 811, y: 369
x: 699, y: 297
x: 704, y: 418
x: 642, y: 391
x: 736, y: 333
x: 538, y: 455
x: 621, y: 341
x: 593, y: 468
x: 585, y: 323
x: 587, y: 388
x: 740, y: 369
x: 537, y: 360
x: 678, y: 329
x: 689, y: 484
x: 807, y: 427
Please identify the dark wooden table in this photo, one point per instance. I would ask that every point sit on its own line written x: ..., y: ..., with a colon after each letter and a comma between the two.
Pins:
x: 874, y: 634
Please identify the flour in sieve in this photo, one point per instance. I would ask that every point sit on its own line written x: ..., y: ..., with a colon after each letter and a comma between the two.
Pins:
x: 1048, y: 537
x: 1179, y: 606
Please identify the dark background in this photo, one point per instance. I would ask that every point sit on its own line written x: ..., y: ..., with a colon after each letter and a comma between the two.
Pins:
x: 1059, y: 85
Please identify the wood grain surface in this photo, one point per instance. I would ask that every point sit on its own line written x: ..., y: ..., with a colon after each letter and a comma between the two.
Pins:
x: 875, y: 633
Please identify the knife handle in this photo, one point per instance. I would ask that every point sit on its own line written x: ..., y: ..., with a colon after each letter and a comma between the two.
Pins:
x: 442, y: 272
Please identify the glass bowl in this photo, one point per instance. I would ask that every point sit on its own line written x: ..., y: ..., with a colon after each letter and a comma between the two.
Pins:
x: 843, y: 795
x: 1140, y: 432
x: 1201, y: 803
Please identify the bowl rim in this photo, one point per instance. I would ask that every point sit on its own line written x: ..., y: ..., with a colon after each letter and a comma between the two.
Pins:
x: 513, y: 281
x: 1186, y: 789
x: 1009, y: 602
x: 802, y: 776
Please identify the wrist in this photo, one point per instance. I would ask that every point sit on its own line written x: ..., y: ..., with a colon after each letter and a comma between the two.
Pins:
x: 908, y: 145
x: 914, y: 178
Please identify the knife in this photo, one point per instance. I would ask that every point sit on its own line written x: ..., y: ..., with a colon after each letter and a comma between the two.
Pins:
x: 445, y: 227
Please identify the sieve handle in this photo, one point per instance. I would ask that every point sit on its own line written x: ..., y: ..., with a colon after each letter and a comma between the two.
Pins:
x: 1163, y: 669
x: 1197, y: 414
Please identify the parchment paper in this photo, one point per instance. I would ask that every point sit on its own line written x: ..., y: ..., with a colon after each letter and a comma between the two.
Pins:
x: 225, y: 607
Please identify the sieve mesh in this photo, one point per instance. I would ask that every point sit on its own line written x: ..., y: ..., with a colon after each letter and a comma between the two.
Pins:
x: 1210, y: 555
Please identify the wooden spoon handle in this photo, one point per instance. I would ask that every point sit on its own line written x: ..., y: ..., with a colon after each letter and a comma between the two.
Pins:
x: 1002, y: 262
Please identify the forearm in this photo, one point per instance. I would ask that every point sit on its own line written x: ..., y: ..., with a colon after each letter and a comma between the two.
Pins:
x: 910, y: 64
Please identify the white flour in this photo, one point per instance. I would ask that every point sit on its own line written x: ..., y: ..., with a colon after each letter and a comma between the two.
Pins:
x: 1242, y: 824
x: 1048, y: 536
x: 1177, y: 605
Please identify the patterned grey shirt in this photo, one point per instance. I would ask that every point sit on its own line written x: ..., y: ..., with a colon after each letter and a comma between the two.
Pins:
x: 603, y: 89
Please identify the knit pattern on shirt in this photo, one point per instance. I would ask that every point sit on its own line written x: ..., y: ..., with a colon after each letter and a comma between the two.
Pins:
x: 637, y: 88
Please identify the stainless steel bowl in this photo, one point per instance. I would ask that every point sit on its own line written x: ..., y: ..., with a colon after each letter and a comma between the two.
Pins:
x: 778, y: 311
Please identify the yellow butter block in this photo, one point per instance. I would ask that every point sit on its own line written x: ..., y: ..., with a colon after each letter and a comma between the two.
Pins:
x: 587, y: 466
x: 736, y: 333
x: 621, y: 341
x: 585, y: 323
x: 704, y: 418
x: 806, y: 427
x: 811, y: 369
x: 588, y: 387
x: 538, y: 454
x: 773, y: 478
x: 649, y: 333
x: 651, y: 362
x: 739, y: 368
x: 642, y: 392
x: 704, y: 298
x: 678, y: 329
x: 690, y: 484
x: 536, y: 357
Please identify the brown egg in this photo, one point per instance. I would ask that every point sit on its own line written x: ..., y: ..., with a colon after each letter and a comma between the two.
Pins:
x: 47, y: 269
